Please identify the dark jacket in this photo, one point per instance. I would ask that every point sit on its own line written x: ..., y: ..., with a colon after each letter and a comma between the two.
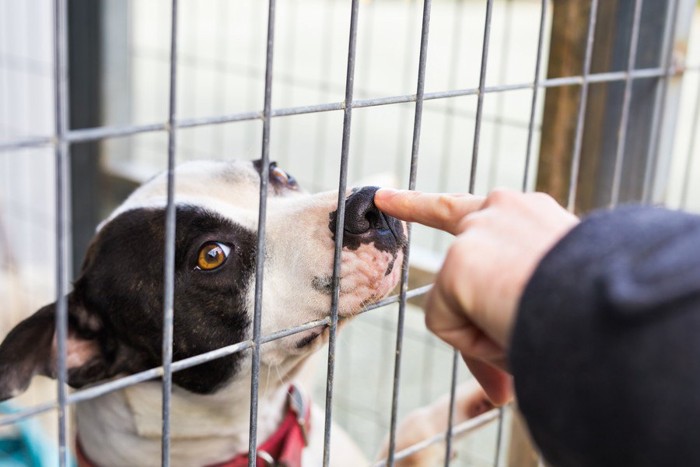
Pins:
x: 606, y: 347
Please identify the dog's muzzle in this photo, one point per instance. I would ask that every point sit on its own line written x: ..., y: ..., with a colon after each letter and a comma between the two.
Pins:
x: 365, y: 224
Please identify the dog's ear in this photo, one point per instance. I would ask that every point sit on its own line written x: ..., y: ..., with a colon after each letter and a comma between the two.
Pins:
x: 25, y: 352
x: 30, y: 349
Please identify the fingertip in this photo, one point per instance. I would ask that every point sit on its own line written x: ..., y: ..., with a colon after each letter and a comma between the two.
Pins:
x: 384, y: 196
x: 384, y: 193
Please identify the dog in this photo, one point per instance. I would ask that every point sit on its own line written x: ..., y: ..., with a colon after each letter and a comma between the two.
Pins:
x: 115, y: 313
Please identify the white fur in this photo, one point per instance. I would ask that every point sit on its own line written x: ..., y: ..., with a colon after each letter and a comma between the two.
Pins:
x: 123, y: 428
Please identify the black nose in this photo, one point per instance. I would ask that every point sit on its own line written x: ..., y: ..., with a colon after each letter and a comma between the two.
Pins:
x: 364, y: 223
x: 361, y: 215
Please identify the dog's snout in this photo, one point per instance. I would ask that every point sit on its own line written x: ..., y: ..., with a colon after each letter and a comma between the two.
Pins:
x: 365, y: 223
x: 361, y: 215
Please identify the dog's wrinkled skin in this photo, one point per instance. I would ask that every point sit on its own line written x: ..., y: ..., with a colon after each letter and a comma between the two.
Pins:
x: 115, y: 311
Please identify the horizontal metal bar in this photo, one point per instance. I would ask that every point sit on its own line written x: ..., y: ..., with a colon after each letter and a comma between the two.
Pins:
x: 459, y: 429
x: 92, y: 134
x: 106, y: 388
x: 27, y: 143
x: 238, y: 117
x: 395, y: 298
x: 28, y: 412
x: 226, y: 67
x: 309, y: 109
x: 136, y: 378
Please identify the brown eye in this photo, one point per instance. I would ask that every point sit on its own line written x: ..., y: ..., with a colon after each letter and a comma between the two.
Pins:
x: 212, y: 255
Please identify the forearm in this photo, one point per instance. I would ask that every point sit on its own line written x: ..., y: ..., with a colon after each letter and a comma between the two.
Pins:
x: 605, y: 352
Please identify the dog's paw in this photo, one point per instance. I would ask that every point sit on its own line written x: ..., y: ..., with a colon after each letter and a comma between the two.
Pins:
x: 426, y: 422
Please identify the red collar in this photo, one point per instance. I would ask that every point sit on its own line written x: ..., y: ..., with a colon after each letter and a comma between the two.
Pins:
x: 283, y: 448
x: 285, y: 445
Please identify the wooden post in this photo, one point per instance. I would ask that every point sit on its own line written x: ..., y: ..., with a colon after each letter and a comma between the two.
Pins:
x: 602, y: 115
x: 566, y: 54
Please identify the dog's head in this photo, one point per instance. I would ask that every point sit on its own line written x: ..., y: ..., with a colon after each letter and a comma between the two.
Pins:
x: 115, y: 311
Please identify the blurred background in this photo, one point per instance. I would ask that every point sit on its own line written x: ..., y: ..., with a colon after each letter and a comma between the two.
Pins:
x: 119, y: 78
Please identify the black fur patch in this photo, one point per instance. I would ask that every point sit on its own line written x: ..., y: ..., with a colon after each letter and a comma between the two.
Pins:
x: 122, y: 285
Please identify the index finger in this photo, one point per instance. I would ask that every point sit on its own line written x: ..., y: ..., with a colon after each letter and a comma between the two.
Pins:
x: 439, y: 210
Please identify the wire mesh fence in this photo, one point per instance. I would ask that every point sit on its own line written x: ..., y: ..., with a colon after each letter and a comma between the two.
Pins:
x: 443, y: 96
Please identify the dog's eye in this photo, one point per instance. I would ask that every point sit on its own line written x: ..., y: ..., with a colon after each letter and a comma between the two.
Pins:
x: 282, y: 177
x: 212, y: 255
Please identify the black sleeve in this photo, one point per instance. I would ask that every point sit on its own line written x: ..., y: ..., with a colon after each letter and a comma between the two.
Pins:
x: 606, y: 347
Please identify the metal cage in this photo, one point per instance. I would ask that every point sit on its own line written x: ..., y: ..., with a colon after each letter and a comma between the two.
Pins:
x: 614, y: 104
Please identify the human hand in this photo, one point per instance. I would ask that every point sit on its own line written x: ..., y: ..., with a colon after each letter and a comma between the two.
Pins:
x: 499, y: 241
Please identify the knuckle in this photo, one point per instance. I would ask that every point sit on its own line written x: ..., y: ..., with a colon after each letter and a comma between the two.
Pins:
x: 501, y: 196
x: 472, y: 221
x: 447, y: 205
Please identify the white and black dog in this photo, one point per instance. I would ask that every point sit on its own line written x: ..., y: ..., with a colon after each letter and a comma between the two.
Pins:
x: 115, y: 311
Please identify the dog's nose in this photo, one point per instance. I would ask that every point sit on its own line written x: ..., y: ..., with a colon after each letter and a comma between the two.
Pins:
x: 364, y: 223
x: 361, y: 215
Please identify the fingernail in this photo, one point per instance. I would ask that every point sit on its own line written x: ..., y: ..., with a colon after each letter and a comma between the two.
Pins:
x: 385, y: 193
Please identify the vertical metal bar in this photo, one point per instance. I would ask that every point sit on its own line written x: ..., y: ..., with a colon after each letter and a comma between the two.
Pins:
x: 324, y: 93
x: 578, y: 142
x: 472, y: 186
x: 691, y: 149
x: 480, y: 95
x: 660, y: 112
x: 283, y: 154
x: 191, y: 69
x: 169, y: 269
x: 499, y: 437
x: 622, y: 131
x: 222, y: 23
x: 255, y: 20
x: 498, y: 120
x: 448, y: 127
x: 495, y: 158
x: 260, y: 253
x: 535, y: 92
x: 62, y: 155
x: 340, y: 225
x: 361, y: 125
x: 407, y: 63
x: 418, y: 118
x: 451, y: 410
